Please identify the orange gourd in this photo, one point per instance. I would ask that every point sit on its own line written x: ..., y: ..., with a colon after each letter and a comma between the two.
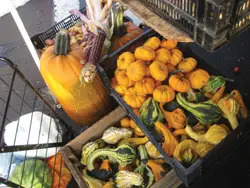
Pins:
x: 61, y: 69
x: 133, y: 99
x: 123, y: 79
x: 176, y: 57
x: 144, y: 53
x: 132, y: 124
x: 170, y: 142
x: 164, y: 94
x: 125, y: 122
x: 169, y: 44
x: 124, y: 60
x: 158, y: 70
x: 61, y: 174
x: 187, y: 65
x: 153, y: 42
x: 179, y: 83
x: 199, y: 78
x: 162, y: 55
x: 136, y: 71
x: 145, y: 86
x: 132, y: 31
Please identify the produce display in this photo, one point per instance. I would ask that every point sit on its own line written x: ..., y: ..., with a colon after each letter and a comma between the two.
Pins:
x: 185, y: 107
x: 123, y: 157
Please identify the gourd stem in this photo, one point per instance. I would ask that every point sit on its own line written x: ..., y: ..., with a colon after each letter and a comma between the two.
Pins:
x: 62, y: 43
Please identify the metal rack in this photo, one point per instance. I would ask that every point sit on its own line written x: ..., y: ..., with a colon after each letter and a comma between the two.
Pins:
x: 17, y: 98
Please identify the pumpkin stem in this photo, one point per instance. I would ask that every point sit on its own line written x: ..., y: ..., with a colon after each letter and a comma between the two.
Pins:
x: 118, y: 13
x: 176, y: 72
x: 62, y: 43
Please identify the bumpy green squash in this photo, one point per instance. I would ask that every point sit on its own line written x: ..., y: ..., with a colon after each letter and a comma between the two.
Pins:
x: 207, y: 112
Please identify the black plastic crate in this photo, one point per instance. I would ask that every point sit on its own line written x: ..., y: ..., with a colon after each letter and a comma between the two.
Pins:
x: 219, y: 152
x: 217, y: 14
x: 38, y: 40
x: 241, y: 23
x: 207, y: 22
x: 241, y: 7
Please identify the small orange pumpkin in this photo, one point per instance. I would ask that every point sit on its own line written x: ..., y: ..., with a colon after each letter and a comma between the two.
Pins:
x: 169, y: 44
x: 171, y: 67
x: 136, y: 71
x: 124, y: 60
x: 145, y: 86
x: 179, y: 83
x: 176, y: 57
x: 158, y: 70
x: 153, y: 42
x: 144, y: 53
x: 187, y: 65
x: 123, y: 79
x: 125, y: 122
x: 199, y: 78
x: 120, y: 89
x: 164, y: 94
x: 162, y: 55
x: 133, y: 99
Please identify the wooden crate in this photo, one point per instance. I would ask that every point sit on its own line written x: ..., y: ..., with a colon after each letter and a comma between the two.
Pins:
x: 73, y: 149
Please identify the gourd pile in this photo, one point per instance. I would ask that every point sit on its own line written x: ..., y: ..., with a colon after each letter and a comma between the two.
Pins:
x: 188, y: 110
x: 122, y: 159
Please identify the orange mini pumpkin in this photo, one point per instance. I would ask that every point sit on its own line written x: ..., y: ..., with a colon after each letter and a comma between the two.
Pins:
x: 187, y: 65
x: 164, y: 94
x: 153, y: 42
x: 136, y: 71
x: 179, y: 83
x: 158, y: 70
x: 120, y: 89
x: 123, y: 79
x: 199, y: 78
x: 169, y: 44
x: 144, y: 53
x: 124, y: 60
x: 176, y: 57
x: 145, y: 86
x: 162, y: 55
x: 133, y: 99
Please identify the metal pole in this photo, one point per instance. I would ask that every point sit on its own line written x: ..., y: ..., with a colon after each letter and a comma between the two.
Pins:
x: 23, y: 32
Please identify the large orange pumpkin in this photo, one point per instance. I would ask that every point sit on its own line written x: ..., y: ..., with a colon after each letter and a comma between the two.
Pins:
x: 61, y: 69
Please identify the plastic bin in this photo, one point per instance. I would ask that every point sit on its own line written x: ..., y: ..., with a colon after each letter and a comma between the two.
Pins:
x: 222, y: 150
x: 208, y: 22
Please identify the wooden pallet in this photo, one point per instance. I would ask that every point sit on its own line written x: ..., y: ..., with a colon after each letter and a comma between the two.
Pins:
x: 156, y: 22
